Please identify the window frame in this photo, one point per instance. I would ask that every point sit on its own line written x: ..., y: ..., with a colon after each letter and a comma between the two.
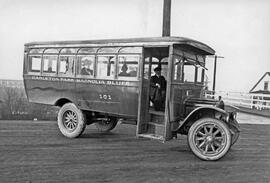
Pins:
x: 131, y: 78
x: 113, y: 77
x: 193, y: 63
x: 29, y: 71
x: 59, y: 67
x: 94, y: 51
x: 78, y: 65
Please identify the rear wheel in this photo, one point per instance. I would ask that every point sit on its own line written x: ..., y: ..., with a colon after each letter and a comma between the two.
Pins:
x: 209, y: 139
x: 106, y: 124
x: 71, y: 121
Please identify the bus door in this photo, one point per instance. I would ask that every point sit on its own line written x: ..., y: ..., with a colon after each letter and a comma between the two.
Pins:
x: 153, y: 123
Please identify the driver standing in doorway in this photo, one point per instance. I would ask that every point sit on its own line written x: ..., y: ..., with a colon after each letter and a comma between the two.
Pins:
x: 158, y: 90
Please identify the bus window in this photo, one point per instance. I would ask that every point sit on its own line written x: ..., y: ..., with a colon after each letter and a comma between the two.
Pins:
x: 189, y: 72
x: 178, y: 68
x: 49, y: 64
x: 199, y: 74
x: 86, y: 65
x: 128, y: 66
x: 105, y: 66
x: 185, y: 69
x: 66, y: 65
x: 34, y: 63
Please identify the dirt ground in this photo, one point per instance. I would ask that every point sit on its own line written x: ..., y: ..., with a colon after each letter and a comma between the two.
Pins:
x: 34, y: 151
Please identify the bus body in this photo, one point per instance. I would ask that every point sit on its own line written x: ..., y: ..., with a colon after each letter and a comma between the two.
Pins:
x: 106, y: 81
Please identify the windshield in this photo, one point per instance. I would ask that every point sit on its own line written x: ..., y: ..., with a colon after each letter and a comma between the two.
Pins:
x: 187, y: 70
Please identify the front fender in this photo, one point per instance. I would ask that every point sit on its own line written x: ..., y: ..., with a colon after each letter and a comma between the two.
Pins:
x: 198, y: 113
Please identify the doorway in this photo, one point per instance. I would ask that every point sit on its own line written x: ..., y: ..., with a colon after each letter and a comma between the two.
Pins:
x: 152, y: 123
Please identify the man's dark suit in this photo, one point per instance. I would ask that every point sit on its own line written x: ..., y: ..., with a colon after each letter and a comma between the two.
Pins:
x: 157, y: 95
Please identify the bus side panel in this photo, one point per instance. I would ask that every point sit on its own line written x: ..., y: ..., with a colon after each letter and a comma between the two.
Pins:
x: 110, y: 99
x: 48, y: 90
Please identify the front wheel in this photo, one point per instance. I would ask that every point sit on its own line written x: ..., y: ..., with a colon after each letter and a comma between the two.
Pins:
x: 71, y: 120
x: 209, y: 139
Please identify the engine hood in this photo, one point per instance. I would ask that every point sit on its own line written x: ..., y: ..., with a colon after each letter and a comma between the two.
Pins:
x: 200, y: 102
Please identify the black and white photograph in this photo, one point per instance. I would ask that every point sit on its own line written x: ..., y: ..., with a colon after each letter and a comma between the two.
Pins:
x: 134, y: 91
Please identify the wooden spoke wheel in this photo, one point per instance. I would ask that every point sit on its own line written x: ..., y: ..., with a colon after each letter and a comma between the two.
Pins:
x: 209, y: 139
x: 71, y: 121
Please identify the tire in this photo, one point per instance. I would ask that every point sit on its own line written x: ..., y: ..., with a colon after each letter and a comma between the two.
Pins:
x: 71, y: 120
x: 106, y: 125
x: 235, y: 131
x: 209, y: 139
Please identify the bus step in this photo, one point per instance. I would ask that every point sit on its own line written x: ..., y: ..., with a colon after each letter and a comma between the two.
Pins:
x: 159, y: 113
x: 152, y: 136
x: 157, y: 131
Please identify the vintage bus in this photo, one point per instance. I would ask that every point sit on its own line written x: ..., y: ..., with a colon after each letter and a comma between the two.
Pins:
x: 104, y: 82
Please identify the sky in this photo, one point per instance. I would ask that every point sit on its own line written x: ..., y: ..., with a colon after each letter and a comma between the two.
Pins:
x: 237, y: 29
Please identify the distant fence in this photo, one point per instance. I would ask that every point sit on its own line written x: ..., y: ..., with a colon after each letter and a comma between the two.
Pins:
x: 257, y: 103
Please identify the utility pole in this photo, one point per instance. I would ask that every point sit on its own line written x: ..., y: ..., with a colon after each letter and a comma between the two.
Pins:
x: 166, y: 28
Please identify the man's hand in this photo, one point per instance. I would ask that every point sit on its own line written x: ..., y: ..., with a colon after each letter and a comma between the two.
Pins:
x: 158, y: 85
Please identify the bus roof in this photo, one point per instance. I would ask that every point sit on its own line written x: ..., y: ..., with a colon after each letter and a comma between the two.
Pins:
x: 149, y: 41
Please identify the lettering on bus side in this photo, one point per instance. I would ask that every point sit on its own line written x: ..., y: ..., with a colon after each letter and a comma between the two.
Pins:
x: 80, y: 80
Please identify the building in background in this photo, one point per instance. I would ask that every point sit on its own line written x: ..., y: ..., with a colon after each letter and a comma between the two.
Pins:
x: 261, y: 92
x: 263, y: 85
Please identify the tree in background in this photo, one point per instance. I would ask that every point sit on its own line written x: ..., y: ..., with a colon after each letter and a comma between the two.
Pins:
x: 12, y: 101
x: 16, y: 106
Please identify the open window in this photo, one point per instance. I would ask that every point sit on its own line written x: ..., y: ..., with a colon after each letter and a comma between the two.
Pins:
x: 66, y: 65
x: 106, y: 66
x: 86, y: 65
x: 187, y: 70
x: 34, y: 63
x: 128, y: 66
x: 49, y: 64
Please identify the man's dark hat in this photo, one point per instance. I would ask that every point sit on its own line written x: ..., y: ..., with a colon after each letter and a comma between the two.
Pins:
x: 157, y: 69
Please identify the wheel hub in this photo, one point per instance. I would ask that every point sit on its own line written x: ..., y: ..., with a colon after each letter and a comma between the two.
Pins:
x: 70, y: 120
x: 209, y: 139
